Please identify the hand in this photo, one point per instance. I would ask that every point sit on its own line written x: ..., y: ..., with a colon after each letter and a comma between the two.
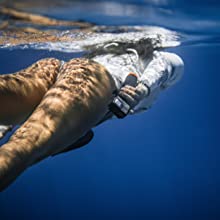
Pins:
x: 133, y: 95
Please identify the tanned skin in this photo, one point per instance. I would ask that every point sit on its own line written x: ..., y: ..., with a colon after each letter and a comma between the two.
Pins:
x: 57, y: 103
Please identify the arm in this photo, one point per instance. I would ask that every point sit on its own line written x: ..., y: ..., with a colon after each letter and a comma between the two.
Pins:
x: 163, y: 71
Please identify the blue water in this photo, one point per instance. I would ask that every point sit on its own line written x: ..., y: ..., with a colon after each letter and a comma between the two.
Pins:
x: 162, y: 164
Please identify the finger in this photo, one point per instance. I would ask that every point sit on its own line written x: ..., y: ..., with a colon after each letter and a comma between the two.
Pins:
x: 129, y: 99
x: 128, y: 88
x: 142, y: 90
x: 130, y: 92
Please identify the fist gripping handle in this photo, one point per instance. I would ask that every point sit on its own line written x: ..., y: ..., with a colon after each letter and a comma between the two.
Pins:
x: 119, y: 107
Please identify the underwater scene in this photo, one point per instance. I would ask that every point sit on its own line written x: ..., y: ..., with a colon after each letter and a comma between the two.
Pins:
x: 161, y: 163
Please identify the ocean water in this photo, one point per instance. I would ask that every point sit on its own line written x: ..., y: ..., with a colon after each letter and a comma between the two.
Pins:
x: 161, y: 164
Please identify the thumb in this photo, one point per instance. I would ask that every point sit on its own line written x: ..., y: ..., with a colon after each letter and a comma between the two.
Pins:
x: 142, y: 90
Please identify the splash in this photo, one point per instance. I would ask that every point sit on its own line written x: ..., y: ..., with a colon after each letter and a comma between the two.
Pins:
x: 97, y: 37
